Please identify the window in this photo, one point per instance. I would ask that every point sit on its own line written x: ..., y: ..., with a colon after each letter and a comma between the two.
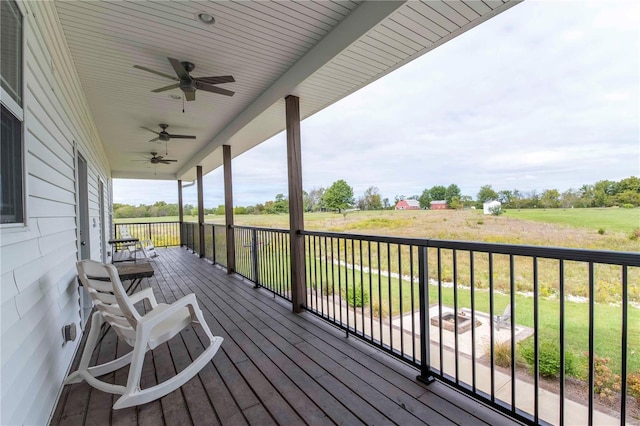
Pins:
x: 11, y: 152
x: 11, y: 77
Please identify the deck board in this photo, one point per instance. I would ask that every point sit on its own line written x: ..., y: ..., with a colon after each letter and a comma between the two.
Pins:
x: 274, y: 367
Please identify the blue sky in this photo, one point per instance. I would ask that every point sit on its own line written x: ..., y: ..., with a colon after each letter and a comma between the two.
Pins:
x: 545, y: 95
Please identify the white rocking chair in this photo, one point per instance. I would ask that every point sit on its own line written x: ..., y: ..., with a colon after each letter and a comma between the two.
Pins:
x: 143, y: 333
x: 147, y: 249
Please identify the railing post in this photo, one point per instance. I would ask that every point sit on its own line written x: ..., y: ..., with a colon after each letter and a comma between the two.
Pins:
x: 180, y: 213
x: 425, y: 339
x: 213, y: 243
x: 200, y: 212
x: 228, y: 209
x: 254, y: 257
x: 296, y: 209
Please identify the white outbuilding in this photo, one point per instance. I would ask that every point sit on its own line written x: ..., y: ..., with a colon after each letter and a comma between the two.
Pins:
x: 489, y: 205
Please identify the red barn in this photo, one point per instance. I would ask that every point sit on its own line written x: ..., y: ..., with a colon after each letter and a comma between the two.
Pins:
x: 408, y: 205
x: 438, y: 205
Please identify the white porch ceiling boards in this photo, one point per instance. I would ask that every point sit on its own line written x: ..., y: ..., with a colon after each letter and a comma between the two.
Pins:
x: 321, y: 51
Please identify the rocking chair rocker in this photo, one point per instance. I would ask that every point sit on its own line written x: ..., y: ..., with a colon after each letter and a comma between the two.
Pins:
x: 143, y: 333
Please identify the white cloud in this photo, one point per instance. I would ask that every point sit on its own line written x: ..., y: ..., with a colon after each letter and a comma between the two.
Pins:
x: 545, y: 95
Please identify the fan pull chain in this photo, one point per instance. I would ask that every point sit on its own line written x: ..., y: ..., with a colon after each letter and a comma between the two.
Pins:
x: 166, y: 149
x: 183, y: 104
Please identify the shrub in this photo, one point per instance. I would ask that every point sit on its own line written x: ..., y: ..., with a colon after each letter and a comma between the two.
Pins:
x: 633, y: 385
x: 601, y: 231
x: 481, y: 222
x: 501, y: 353
x: 628, y: 206
x: 375, y: 308
x: 548, y: 357
x: 356, y: 296
x: 496, y: 210
x: 604, y: 381
x: 635, y: 234
x: 327, y: 289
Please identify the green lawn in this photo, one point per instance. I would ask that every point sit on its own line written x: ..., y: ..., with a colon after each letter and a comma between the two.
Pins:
x: 609, y: 219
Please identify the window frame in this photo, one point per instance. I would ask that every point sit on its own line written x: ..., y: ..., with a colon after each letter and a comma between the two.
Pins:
x: 18, y: 111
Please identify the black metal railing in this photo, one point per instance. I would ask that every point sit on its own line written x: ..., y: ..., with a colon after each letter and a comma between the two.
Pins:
x: 215, y: 243
x: 492, y: 320
x: 465, y: 313
x: 262, y: 256
x: 191, y: 236
x: 161, y: 234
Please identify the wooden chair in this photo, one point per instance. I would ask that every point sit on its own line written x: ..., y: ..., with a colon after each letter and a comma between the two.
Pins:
x: 142, y: 332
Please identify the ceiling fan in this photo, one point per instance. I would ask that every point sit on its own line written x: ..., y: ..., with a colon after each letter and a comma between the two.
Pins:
x: 164, y: 136
x: 189, y: 84
x: 156, y: 159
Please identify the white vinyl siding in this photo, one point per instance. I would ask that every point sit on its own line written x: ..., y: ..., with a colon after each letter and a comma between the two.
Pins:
x: 39, y: 292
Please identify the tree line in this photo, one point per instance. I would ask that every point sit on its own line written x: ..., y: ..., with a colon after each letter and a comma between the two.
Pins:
x: 339, y: 197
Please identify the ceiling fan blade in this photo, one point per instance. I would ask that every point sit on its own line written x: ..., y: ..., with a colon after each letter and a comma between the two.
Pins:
x: 179, y: 69
x: 181, y: 136
x: 157, y: 140
x: 210, y: 88
x: 140, y: 161
x: 190, y: 96
x: 171, y: 77
x: 152, y: 131
x: 167, y: 161
x: 165, y: 88
x: 217, y: 80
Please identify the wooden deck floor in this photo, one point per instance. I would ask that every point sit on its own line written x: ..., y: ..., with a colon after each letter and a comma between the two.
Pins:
x: 274, y: 367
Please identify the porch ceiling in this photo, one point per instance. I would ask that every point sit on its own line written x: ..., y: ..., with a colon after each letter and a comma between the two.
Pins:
x: 318, y: 50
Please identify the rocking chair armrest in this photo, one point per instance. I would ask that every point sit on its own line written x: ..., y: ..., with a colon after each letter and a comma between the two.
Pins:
x: 156, y: 316
x: 147, y: 293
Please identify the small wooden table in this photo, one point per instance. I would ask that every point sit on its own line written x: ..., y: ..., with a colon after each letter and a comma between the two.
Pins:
x: 134, y: 272
x: 123, y: 242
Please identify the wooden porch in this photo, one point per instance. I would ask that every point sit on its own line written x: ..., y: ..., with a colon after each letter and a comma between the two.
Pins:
x: 274, y: 367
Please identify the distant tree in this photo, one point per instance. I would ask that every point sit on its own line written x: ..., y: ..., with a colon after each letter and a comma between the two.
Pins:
x: 453, y: 191
x: 516, y: 199
x: 455, y: 203
x: 569, y: 198
x: 413, y: 197
x: 550, y: 198
x: 486, y: 193
x: 339, y: 196
x: 371, y: 199
x: 531, y: 199
x: 219, y: 210
x: 385, y: 203
x: 425, y: 199
x: 281, y: 204
x: 631, y: 183
x: 239, y: 210
x: 466, y: 200
x: 438, y: 192
x: 313, y: 199
x: 506, y: 198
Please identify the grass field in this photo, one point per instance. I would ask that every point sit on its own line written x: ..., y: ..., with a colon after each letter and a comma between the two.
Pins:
x: 611, y: 219
x: 576, y: 228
